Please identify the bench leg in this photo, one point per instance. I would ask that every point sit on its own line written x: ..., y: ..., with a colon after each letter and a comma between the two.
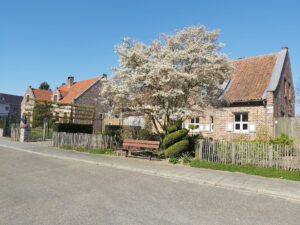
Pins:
x: 150, y: 157
x: 126, y: 155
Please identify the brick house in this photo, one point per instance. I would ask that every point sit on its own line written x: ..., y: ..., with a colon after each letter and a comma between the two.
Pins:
x: 10, y: 106
x: 260, y: 89
x: 69, y: 100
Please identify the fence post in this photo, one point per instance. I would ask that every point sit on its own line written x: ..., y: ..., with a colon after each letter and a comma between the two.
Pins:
x: 199, y: 150
x: 270, y: 155
x: 233, y: 153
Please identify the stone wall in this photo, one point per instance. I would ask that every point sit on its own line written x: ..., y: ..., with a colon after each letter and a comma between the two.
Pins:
x: 284, y: 97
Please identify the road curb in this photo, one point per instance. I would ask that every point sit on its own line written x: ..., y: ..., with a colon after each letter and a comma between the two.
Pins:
x: 201, y: 181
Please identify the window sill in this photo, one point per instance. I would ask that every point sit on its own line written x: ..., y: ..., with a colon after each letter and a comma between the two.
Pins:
x: 241, y: 132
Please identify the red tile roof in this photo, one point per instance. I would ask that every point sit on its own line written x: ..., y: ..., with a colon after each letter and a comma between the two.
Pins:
x: 251, y: 77
x: 69, y: 94
x: 42, y: 94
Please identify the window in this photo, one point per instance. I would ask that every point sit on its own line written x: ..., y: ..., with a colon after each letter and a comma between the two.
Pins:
x: 6, y: 108
x: 195, y: 120
x: 241, y: 122
x: 211, y: 123
x: 101, y: 116
x: 282, y: 114
x: 27, y: 98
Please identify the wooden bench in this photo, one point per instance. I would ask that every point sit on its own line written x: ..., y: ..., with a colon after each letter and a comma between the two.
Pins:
x: 139, y: 146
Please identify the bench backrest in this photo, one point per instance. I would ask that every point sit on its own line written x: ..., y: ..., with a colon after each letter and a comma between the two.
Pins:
x: 141, y: 143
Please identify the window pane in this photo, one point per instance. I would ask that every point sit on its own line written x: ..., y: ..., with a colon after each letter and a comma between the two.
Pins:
x: 245, y: 126
x: 237, y: 126
x: 192, y: 120
x: 197, y: 120
x: 237, y: 117
x: 245, y: 117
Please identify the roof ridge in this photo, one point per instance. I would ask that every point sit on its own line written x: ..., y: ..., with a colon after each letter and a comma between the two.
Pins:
x: 257, y: 56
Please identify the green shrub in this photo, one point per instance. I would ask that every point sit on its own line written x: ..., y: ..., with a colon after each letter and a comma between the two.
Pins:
x: 186, y: 158
x: 73, y: 128
x: 177, y: 149
x: 175, y: 127
x: 174, y: 137
x: 130, y: 132
x: 144, y: 134
x: 113, y: 130
x: 174, y: 160
x: 193, y: 126
x: 283, y: 139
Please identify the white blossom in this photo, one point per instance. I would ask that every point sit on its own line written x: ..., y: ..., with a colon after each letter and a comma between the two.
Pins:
x: 164, y: 79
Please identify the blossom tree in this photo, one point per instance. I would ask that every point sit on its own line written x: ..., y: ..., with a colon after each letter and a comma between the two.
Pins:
x: 174, y: 77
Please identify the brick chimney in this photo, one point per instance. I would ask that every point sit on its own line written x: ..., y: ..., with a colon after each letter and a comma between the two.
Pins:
x: 70, y: 81
x: 284, y: 48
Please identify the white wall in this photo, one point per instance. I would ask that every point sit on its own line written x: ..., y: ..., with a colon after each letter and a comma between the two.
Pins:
x: 134, y: 121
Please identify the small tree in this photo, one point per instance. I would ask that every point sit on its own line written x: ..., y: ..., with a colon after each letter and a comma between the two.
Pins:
x: 170, y: 79
x: 44, y: 86
x: 41, y: 110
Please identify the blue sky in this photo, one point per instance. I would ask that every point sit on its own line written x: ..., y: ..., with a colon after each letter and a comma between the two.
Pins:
x: 51, y: 40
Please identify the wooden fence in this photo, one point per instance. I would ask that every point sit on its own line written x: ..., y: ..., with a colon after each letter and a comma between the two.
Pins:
x: 86, y: 141
x: 263, y: 155
x: 15, y: 134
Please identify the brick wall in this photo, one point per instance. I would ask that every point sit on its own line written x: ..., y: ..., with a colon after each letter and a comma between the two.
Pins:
x: 223, y: 116
x: 92, y: 97
x: 284, y: 100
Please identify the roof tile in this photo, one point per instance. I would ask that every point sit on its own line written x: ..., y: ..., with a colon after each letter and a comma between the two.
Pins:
x: 251, y: 77
x: 69, y: 94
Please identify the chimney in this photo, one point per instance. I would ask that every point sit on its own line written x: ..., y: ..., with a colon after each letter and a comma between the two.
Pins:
x: 284, y: 48
x: 104, y: 76
x: 62, y: 84
x: 70, y: 81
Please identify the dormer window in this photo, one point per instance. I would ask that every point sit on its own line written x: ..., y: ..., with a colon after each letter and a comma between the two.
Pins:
x: 27, y: 98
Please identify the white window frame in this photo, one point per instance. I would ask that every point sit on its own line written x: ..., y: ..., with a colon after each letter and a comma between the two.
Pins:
x: 241, y: 122
x: 193, y: 121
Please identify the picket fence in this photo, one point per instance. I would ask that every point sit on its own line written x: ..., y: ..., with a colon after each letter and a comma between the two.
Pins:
x: 86, y: 141
x: 241, y: 153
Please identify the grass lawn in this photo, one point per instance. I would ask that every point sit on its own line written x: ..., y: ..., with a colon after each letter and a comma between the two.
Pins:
x: 38, y: 132
x: 92, y: 151
x: 248, y: 169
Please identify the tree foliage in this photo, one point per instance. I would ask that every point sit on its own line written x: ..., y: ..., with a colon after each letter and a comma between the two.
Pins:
x: 44, y: 86
x: 41, y: 111
x: 173, y: 77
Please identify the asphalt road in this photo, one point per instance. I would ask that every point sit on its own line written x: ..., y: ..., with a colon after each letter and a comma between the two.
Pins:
x: 37, y: 189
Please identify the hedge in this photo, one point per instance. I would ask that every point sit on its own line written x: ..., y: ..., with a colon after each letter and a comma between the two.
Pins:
x: 175, y: 127
x: 177, y: 149
x: 73, y: 128
x: 112, y: 130
x: 174, y: 137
